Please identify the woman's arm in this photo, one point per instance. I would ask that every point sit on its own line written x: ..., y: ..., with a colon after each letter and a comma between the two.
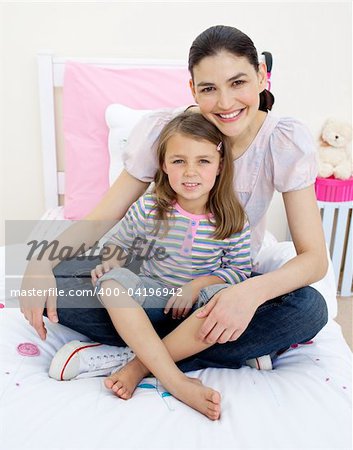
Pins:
x: 233, y: 308
x: 310, y: 264
x: 305, y: 225
x: 81, y: 235
x: 113, y: 206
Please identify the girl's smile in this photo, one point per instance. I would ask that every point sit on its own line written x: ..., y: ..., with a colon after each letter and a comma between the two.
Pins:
x: 191, y: 186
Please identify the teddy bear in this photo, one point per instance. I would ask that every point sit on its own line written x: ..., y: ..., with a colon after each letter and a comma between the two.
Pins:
x: 335, y: 151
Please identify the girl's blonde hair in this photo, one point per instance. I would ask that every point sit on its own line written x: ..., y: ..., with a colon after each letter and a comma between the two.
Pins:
x: 228, y: 214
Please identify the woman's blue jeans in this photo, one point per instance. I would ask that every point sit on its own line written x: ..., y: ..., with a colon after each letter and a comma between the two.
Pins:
x: 278, y: 323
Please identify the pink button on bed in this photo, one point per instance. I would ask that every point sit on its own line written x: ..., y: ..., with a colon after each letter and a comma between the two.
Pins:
x: 28, y: 349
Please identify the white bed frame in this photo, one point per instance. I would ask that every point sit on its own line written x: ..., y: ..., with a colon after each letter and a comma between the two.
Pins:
x: 336, y: 216
x: 337, y: 221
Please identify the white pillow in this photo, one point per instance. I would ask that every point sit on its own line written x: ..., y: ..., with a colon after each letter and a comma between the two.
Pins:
x: 120, y: 120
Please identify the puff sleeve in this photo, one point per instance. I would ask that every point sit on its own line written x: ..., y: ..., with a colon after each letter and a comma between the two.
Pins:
x: 139, y: 155
x: 293, y: 161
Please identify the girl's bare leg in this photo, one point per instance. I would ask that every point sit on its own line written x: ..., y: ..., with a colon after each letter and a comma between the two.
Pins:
x: 180, y: 343
x: 133, y: 325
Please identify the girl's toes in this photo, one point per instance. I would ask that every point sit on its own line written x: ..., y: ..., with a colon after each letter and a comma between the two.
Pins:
x: 213, y: 415
x: 126, y: 394
x: 117, y: 386
x: 215, y: 397
x: 121, y: 391
x: 115, y: 391
x: 108, y: 383
x: 212, y: 407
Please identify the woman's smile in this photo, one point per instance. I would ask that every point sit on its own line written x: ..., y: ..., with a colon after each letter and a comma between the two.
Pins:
x: 232, y: 116
x: 226, y: 88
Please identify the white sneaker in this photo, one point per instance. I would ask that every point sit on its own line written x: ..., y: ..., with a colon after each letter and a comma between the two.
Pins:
x: 87, y: 359
x: 260, y: 363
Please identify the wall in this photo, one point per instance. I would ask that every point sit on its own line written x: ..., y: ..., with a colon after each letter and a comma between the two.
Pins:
x: 311, y: 44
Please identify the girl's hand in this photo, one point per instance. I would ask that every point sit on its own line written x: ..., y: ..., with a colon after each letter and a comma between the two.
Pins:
x: 228, y: 314
x: 101, y: 269
x: 182, y: 303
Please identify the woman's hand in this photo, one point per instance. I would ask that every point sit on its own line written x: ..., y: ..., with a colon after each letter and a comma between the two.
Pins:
x: 228, y: 314
x: 40, y: 281
x: 182, y: 303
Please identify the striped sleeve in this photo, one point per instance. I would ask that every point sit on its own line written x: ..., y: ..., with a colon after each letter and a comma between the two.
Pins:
x: 236, y: 261
x: 130, y: 227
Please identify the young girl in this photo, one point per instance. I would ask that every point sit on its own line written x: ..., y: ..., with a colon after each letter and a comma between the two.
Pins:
x: 263, y: 314
x: 194, y: 217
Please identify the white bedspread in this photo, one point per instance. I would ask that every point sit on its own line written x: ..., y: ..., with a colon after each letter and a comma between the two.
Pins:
x: 304, y: 403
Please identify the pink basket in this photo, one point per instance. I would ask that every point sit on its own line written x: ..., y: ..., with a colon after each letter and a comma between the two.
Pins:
x: 333, y: 190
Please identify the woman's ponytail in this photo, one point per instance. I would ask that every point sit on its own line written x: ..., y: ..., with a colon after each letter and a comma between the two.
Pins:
x: 266, y: 100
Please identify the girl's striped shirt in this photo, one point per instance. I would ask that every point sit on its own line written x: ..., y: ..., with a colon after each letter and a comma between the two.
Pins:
x: 187, y: 251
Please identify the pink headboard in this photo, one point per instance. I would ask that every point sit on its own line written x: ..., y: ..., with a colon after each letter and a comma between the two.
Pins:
x: 88, y: 90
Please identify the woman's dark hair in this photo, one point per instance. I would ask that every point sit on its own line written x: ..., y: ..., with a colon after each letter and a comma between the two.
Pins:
x: 220, y: 38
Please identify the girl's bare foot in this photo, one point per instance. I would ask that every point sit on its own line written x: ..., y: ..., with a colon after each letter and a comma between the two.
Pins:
x: 202, y: 398
x: 190, y: 391
x: 124, y: 382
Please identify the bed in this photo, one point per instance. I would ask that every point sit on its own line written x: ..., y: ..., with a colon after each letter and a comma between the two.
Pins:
x: 304, y: 403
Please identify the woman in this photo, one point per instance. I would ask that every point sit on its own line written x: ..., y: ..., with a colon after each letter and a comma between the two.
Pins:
x: 263, y: 314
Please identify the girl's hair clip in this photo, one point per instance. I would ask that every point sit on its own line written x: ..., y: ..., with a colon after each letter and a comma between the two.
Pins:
x: 219, y: 146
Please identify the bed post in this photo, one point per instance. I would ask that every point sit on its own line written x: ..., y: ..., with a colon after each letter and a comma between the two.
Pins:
x: 47, y: 119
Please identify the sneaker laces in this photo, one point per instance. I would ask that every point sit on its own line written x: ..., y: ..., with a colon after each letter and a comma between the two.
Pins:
x: 105, y: 363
